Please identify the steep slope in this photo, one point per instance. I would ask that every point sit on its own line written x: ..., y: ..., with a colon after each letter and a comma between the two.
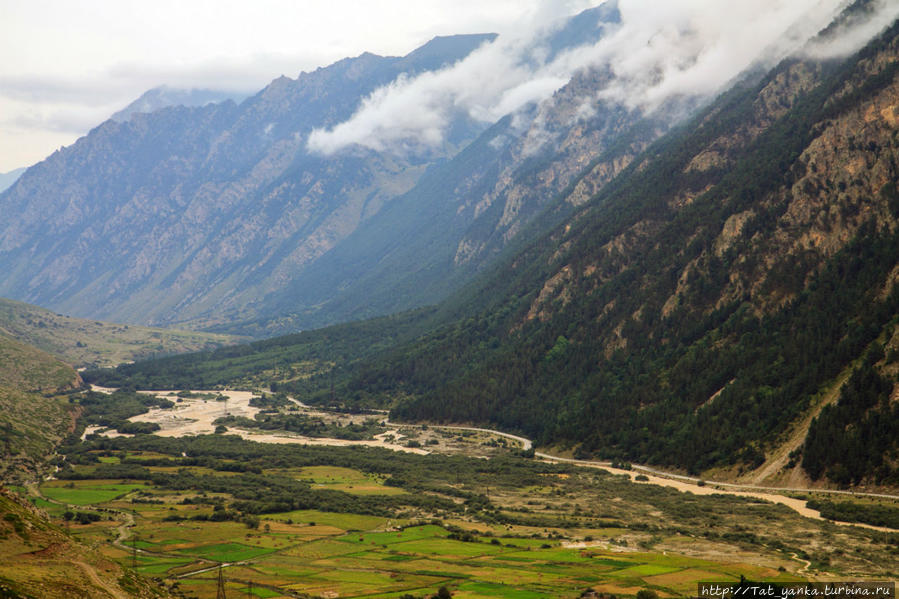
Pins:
x: 35, y: 414
x: 198, y: 212
x: 686, y: 315
x: 91, y: 343
x: 462, y: 213
x: 456, y: 220
x: 37, y: 559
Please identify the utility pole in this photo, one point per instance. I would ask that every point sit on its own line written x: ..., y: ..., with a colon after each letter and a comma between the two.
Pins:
x: 133, y: 540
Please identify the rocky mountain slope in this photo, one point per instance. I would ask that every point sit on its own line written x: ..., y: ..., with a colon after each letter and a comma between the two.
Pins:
x: 35, y: 414
x: 693, y: 309
x: 197, y: 212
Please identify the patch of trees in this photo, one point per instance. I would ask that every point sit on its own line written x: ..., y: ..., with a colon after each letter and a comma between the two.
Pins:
x: 113, y: 410
x: 305, y: 425
x: 849, y: 511
x: 81, y: 517
x: 853, y: 440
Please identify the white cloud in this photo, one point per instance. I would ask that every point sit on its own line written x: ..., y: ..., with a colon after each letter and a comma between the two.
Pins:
x: 69, y: 65
x: 661, y: 50
x: 497, y: 79
x: 849, y: 37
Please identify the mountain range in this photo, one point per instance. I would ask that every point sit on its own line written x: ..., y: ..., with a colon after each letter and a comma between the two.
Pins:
x: 217, y: 215
x: 722, y: 301
x: 191, y: 211
x: 705, y: 283
x: 620, y: 281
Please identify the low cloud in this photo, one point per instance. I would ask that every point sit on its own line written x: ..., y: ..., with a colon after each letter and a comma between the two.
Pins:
x: 494, y: 80
x: 659, y: 51
x: 850, y: 35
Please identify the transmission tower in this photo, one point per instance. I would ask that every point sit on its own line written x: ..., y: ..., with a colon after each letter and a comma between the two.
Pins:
x: 220, y: 593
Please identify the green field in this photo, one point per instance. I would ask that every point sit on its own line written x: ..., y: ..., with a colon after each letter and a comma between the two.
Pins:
x: 470, y: 526
x: 87, y: 494
x: 226, y: 552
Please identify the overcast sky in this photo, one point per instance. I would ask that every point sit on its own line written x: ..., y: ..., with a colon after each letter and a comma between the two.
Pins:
x: 67, y: 65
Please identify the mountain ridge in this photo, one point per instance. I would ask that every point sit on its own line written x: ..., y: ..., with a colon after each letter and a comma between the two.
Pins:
x: 179, y: 178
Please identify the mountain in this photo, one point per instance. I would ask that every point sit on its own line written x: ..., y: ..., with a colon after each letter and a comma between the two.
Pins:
x: 197, y: 212
x: 7, y: 179
x: 703, y: 309
x: 723, y: 301
x: 90, y: 343
x: 464, y: 212
x: 165, y: 96
x: 234, y: 226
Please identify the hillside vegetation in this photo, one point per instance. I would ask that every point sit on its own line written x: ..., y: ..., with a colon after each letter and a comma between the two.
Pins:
x: 38, y: 559
x: 34, y: 410
x: 84, y: 342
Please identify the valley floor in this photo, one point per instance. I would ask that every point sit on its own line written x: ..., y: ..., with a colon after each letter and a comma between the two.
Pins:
x: 362, y: 521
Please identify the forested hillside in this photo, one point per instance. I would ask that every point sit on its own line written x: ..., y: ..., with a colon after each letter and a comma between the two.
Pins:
x: 689, y: 313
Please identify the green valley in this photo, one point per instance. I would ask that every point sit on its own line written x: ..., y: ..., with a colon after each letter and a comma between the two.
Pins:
x: 612, y: 308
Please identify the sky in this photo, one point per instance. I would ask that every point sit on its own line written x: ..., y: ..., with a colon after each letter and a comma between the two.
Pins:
x: 67, y: 65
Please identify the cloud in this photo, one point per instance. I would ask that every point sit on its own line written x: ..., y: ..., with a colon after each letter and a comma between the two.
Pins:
x: 695, y: 47
x: 660, y: 51
x: 851, y: 34
x: 494, y: 80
